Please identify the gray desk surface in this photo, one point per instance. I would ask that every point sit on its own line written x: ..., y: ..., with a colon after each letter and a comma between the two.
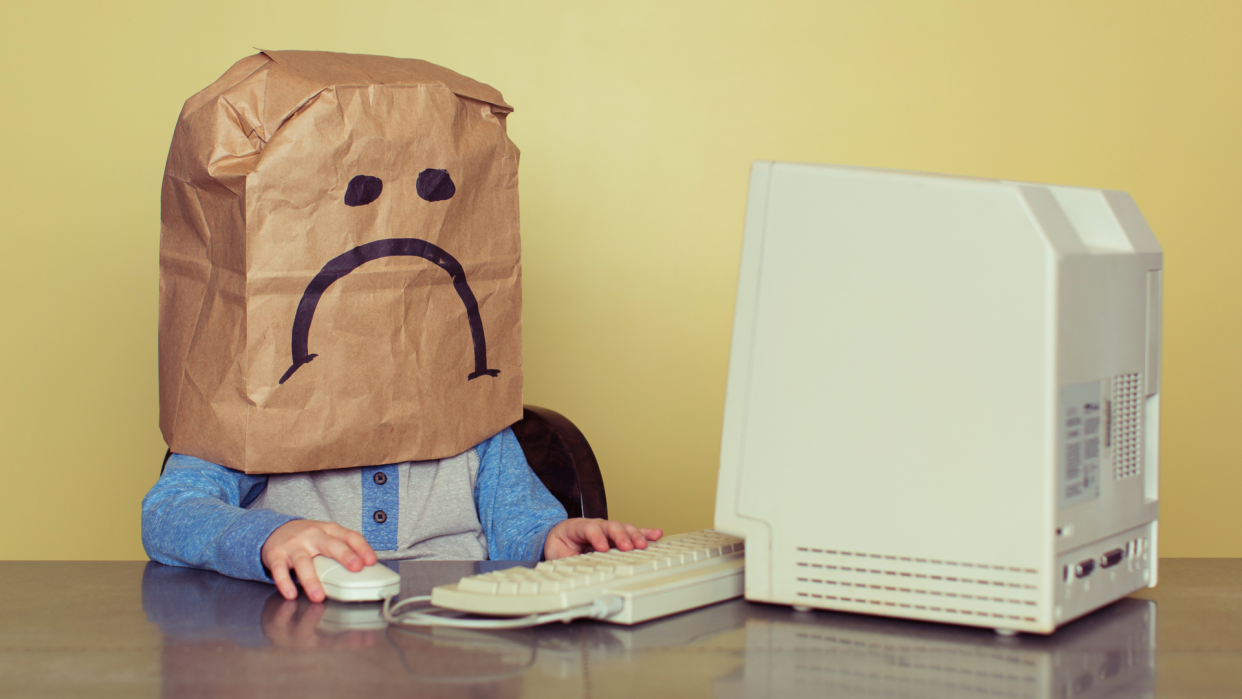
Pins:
x: 135, y: 629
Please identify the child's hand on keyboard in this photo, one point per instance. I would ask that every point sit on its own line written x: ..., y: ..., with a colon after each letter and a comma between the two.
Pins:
x: 580, y: 535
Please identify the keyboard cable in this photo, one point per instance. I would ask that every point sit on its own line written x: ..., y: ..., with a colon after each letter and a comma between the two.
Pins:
x: 598, y: 609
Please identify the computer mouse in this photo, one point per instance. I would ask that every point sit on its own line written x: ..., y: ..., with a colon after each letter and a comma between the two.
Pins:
x: 372, y: 583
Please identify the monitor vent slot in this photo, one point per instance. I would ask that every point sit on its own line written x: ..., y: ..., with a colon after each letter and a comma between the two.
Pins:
x: 986, y: 593
x: 1126, y: 429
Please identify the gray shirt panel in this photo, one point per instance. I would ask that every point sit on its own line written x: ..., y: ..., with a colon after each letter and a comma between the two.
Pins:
x: 437, y: 518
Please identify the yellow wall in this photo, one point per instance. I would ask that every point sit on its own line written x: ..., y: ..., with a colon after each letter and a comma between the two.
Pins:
x: 637, y: 122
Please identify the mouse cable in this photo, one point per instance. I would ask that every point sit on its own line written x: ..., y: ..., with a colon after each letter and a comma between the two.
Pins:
x: 598, y: 609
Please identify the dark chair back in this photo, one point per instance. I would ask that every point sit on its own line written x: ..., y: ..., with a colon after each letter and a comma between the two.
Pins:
x: 559, y: 454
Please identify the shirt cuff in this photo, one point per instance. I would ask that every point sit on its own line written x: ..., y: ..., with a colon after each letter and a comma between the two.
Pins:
x: 241, y: 546
x: 543, y: 542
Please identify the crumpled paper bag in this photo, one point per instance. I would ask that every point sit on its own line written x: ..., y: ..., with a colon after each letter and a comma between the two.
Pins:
x: 340, y: 274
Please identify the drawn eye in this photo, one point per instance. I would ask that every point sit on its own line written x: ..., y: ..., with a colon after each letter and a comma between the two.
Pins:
x: 435, y: 185
x: 363, y: 190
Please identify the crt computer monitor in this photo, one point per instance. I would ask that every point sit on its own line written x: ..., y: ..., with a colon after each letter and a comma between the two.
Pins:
x: 943, y: 397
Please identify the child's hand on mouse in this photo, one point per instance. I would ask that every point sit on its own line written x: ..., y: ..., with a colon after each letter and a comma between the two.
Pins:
x: 292, y: 546
x: 580, y: 535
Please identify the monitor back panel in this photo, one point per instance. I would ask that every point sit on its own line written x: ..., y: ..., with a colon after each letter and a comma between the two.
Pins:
x: 914, y: 359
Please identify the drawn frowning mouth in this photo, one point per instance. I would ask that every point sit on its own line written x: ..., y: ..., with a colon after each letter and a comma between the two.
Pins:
x: 345, y: 263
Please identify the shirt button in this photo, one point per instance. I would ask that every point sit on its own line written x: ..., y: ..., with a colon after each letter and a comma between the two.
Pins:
x: 380, y: 516
x: 380, y: 478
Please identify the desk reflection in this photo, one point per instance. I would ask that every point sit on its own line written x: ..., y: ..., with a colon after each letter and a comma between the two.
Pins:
x: 1109, y: 653
x: 241, y: 638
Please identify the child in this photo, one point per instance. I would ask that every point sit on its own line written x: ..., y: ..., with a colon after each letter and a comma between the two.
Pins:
x: 485, y: 503
x: 360, y: 212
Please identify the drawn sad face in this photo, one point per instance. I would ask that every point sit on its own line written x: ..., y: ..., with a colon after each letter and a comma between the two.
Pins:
x: 433, y: 185
x: 389, y: 254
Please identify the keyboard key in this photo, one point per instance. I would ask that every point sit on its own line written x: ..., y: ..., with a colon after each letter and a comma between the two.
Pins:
x: 479, y: 584
x: 625, y: 569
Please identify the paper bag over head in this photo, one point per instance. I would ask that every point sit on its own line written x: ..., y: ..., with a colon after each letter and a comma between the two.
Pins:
x: 340, y: 274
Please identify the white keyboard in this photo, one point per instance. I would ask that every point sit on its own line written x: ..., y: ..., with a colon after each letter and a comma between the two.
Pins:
x: 676, y: 573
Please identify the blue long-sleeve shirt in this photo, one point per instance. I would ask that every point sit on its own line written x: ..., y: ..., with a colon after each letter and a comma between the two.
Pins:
x: 195, y: 515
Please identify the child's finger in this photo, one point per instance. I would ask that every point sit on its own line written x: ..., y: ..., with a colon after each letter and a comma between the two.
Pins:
x: 284, y: 584
x: 306, y: 575
x: 636, y: 536
x: 652, y: 534
x: 359, y: 544
x: 594, y: 534
x: 620, y: 537
x: 340, y: 551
